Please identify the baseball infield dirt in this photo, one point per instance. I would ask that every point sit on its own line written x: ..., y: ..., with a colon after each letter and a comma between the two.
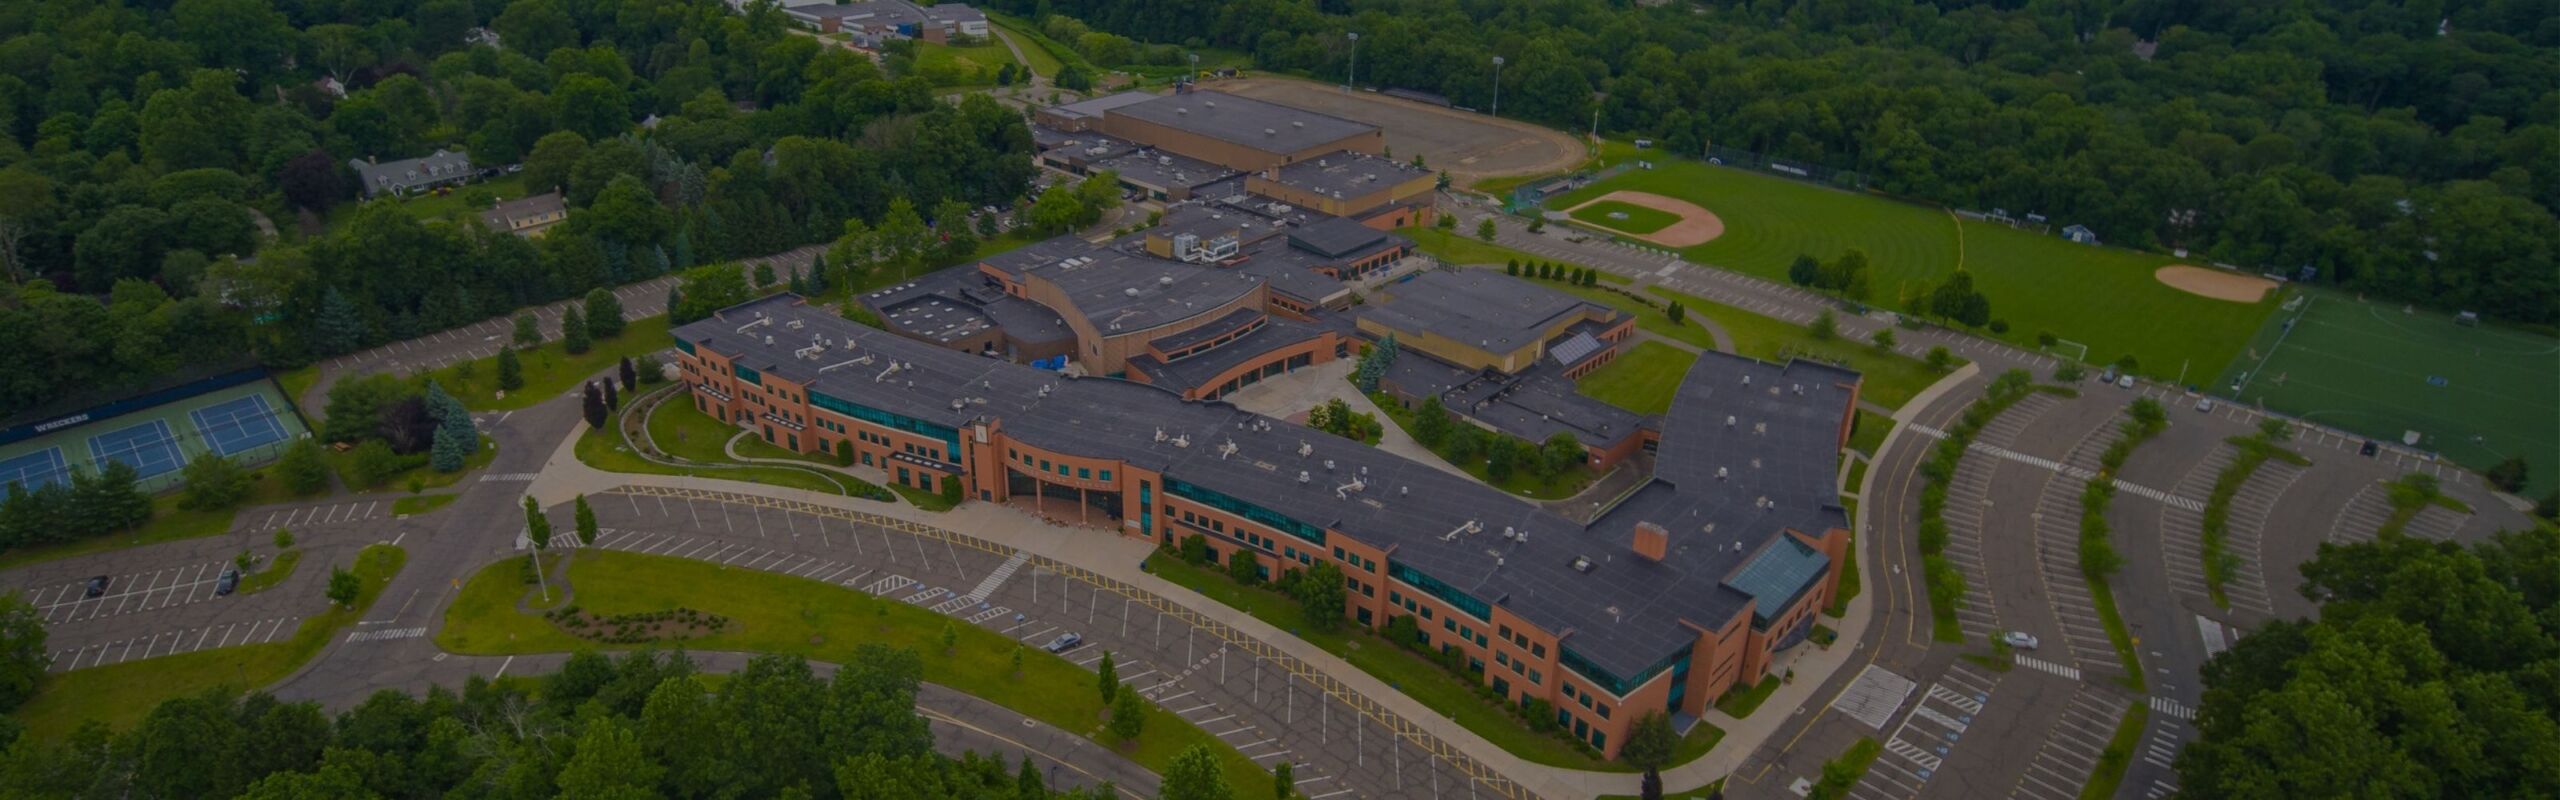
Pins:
x: 1697, y: 225
x: 2214, y: 283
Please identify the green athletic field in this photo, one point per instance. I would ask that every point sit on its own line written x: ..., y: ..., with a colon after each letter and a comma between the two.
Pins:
x: 2365, y: 367
x: 1638, y: 219
x: 2103, y: 297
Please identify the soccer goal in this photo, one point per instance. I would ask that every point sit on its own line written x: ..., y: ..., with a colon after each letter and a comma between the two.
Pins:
x: 2077, y: 352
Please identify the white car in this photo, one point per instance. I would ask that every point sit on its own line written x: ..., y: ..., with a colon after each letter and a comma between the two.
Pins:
x: 2124, y: 381
x: 2020, y: 639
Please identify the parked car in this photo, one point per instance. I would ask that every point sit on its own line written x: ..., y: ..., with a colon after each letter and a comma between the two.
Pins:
x: 2369, y: 448
x: 2204, y: 404
x: 2020, y: 639
x: 97, y: 586
x: 228, y: 583
x: 2107, y: 376
x: 2124, y: 381
x: 1064, y: 642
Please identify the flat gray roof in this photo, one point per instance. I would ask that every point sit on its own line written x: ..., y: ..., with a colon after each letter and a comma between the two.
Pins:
x: 1094, y: 107
x: 1496, y: 312
x: 1348, y: 174
x: 1265, y: 126
x: 1622, y: 616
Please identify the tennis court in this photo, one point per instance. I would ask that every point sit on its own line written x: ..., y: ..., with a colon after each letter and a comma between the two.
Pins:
x: 238, y: 425
x: 34, y: 470
x: 2475, y: 394
x: 149, y: 447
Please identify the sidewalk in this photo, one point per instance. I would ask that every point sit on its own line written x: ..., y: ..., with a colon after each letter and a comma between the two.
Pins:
x: 1118, y: 558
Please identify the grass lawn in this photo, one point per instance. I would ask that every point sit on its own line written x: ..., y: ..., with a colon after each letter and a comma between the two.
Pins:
x: 974, y: 65
x: 1464, y: 249
x: 2109, y: 773
x: 1424, y: 681
x: 603, y: 450
x: 549, y: 371
x: 1868, y: 437
x: 278, y: 569
x: 1854, y: 763
x: 1523, y: 482
x: 169, y: 523
x: 1642, y: 379
x: 779, y: 614
x: 2103, y: 595
x: 1629, y: 217
x: 344, y: 464
x: 2103, y: 297
x: 1741, y: 704
x: 1850, y: 583
x: 1042, y: 62
x: 420, y: 504
x: 1891, y: 379
x: 121, y: 694
x: 297, y: 382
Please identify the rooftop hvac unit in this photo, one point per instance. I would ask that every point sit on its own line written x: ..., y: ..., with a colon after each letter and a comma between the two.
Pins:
x: 1270, y: 132
x: 1303, y: 476
x: 1297, y: 123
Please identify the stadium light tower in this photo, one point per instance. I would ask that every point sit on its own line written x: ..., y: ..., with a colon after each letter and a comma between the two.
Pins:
x: 1354, y: 78
x: 1497, y: 86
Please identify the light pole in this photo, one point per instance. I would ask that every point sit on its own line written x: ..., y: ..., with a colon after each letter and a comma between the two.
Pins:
x: 1195, y: 68
x: 1354, y: 77
x: 1497, y: 86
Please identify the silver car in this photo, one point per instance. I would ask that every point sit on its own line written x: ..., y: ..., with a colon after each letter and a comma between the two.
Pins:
x: 2020, y: 639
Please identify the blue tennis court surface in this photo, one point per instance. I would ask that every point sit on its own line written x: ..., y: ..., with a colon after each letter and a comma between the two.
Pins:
x: 148, y: 447
x: 34, y: 470
x: 239, y: 424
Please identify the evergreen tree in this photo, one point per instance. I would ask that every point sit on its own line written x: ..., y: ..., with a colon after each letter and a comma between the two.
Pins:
x: 109, y: 499
x: 1107, y: 677
x: 573, y: 331
x: 1128, y: 716
x: 510, y: 370
x: 818, y: 281
x: 457, y: 437
x: 339, y: 328
x: 586, y: 517
x: 595, y: 408
x: 344, y: 586
x: 537, y: 531
x: 528, y: 332
x: 1195, y: 775
x: 675, y: 300
x: 604, y: 314
x: 1284, y: 781
x: 684, y: 251
x: 630, y: 376
x: 612, y: 396
x: 799, y: 282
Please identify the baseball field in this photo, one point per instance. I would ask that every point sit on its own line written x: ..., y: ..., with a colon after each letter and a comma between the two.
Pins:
x: 2109, y: 299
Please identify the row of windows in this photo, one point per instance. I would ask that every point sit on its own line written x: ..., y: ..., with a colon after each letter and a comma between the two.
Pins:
x: 1259, y: 515
x: 1355, y: 559
x: 897, y: 422
x: 1085, y: 473
x: 1455, y: 597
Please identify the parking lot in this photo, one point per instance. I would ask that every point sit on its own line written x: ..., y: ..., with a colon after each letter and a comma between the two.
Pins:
x: 2073, y: 614
x: 1265, y: 703
x: 1969, y: 508
x: 2071, y: 746
x: 1918, y: 748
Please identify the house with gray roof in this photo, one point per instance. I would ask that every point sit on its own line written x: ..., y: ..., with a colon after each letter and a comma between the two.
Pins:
x: 412, y: 175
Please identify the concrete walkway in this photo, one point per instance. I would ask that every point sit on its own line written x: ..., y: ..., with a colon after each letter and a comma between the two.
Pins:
x: 1108, y: 555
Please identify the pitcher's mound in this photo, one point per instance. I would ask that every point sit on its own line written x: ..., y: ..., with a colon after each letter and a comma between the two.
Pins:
x: 1696, y: 225
x: 2214, y: 283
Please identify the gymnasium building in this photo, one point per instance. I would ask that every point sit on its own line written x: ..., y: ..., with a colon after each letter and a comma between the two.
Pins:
x: 1675, y: 592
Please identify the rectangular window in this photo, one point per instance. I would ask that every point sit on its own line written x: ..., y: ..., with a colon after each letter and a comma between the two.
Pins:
x: 1515, y: 667
x: 1603, y: 708
x: 1539, y: 650
x: 1084, y: 473
x: 1106, y: 475
x: 1449, y: 624
x: 1568, y: 691
x: 1044, y: 465
x: 1503, y: 659
x: 1533, y: 677
x: 1505, y: 631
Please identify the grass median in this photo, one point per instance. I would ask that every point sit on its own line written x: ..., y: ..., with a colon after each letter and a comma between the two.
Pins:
x: 169, y: 523
x: 1641, y: 380
x: 2109, y: 773
x: 1891, y: 379
x: 781, y: 614
x: 549, y: 370
x: 119, y: 695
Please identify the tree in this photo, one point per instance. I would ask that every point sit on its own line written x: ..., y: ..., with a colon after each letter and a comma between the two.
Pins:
x: 535, y: 27
x: 314, y: 180
x: 1321, y: 596
x: 586, y: 520
x: 1485, y: 229
x: 1015, y: 671
x: 1244, y: 567
x: 604, y: 314
x: 374, y: 463
x: 612, y: 397
x: 2275, y: 430
x: 1806, y: 271
x: 1284, y: 780
x: 1676, y: 312
x: 609, y: 764
x: 1650, y: 743
x: 1128, y: 716
x: 1939, y: 359
x: 1195, y: 775
x: 547, y: 167
x: 1561, y: 452
x: 302, y: 469
x: 950, y: 637
x: 594, y: 407
x: 343, y: 586
x: 212, y: 483
x: 537, y: 530
x: 573, y: 332
x: 108, y: 499
x: 2508, y: 475
x: 630, y: 375
x: 1883, y: 340
x: 528, y: 332
x: 23, y: 657
x: 510, y: 370
x: 1107, y: 677
x: 1825, y: 327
